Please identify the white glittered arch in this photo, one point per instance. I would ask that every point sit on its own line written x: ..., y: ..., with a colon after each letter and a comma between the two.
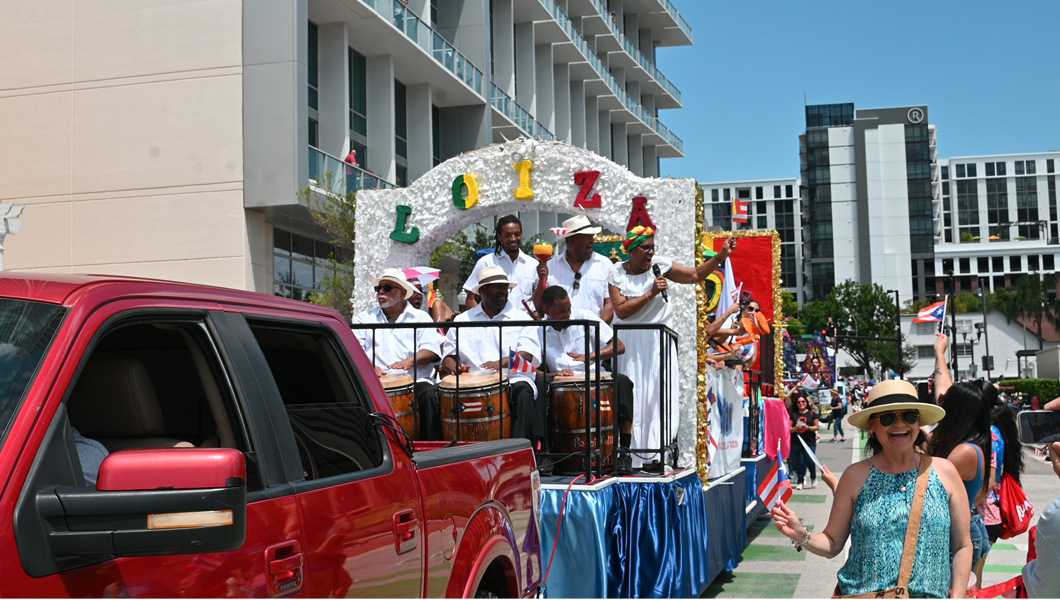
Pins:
x: 671, y: 204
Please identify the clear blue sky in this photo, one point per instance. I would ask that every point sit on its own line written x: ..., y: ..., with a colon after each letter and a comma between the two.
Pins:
x: 989, y: 73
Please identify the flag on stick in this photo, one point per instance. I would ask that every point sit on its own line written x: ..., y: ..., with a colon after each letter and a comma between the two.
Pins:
x: 809, y: 382
x: 931, y: 314
x: 739, y: 211
x: 777, y: 486
x: 518, y: 364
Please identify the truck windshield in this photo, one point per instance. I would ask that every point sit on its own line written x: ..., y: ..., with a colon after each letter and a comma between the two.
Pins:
x: 26, y: 331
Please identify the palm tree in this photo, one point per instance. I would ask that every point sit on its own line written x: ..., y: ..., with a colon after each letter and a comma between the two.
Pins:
x: 1029, y: 300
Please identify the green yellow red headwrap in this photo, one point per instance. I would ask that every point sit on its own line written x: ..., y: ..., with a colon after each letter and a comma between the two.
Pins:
x: 635, y: 237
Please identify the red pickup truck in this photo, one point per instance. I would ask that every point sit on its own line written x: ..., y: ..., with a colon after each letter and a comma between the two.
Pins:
x: 245, y: 451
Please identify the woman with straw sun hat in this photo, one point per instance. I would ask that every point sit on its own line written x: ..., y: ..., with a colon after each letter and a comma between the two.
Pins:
x: 905, y: 512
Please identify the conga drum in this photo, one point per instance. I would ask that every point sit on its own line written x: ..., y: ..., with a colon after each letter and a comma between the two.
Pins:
x: 479, y: 411
x: 399, y: 389
x: 567, y: 426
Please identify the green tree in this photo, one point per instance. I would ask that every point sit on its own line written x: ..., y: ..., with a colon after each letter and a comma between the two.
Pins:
x: 335, y: 214
x: 861, y: 312
x: 1029, y: 300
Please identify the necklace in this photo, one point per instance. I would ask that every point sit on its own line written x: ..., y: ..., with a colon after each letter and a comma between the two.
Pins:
x: 901, y: 488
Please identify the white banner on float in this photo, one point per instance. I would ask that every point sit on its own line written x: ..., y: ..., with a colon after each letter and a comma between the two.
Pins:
x: 725, y: 391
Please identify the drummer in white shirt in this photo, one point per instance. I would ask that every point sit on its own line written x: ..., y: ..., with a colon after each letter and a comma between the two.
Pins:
x: 579, y: 270
x: 520, y: 267
x: 564, y: 354
x: 489, y: 348
x: 392, y: 349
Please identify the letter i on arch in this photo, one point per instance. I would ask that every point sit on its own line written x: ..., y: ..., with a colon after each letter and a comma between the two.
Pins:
x: 524, y: 192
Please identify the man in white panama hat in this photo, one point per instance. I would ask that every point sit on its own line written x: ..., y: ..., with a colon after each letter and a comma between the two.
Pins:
x: 415, y: 351
x: 579, y: 270
x: 489, y: 349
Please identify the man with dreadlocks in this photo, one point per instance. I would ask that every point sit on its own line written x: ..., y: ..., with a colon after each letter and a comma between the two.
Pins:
x: 520, y: 267
x: 635, y: 286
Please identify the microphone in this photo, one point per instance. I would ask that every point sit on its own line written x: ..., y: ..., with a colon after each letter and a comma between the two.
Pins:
x: 655, y: 271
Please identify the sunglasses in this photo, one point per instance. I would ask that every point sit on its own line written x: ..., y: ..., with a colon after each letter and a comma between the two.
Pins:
x: 647, y: 248
x: 753, y: 309
x: 911, y: 417
x: 577, y: 280
x: 386, y: 288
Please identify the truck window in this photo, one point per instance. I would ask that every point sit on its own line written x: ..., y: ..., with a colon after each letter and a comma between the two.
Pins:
x: 26, y: 332
x: 153, y: 382
x: 329, y: 418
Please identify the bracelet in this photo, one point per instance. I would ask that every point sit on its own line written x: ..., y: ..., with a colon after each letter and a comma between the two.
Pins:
x: 799, y: 545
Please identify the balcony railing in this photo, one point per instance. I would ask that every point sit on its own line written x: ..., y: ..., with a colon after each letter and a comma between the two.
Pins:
x: 543, y: 134
x: 340, y: 178
x: 511, y: 109
x: 681, y: 22
x: 627, y: 101
x: 635, y: 53
x: 431, y: 41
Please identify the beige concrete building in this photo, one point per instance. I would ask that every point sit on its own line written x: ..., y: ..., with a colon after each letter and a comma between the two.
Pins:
x: 171, y: 138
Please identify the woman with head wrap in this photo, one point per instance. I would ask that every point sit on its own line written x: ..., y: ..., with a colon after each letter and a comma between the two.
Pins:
x: 635, y: 288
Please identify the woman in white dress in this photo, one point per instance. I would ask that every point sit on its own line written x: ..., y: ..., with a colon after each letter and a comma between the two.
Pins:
x: 635, y: 291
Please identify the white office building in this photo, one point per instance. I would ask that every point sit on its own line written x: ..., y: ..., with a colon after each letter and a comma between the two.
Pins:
x: 771, y: 204
x: 171, y: 139
x: 999, y: 221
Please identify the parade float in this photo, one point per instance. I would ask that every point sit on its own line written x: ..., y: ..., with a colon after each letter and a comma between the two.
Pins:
x: 658, y: 534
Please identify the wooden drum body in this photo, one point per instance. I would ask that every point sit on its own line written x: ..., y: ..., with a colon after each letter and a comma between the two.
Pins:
x: 480, y: 412
x: 566, y: 421
x: 400, y: 390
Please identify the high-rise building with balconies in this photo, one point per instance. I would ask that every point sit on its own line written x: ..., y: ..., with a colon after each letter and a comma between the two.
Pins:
x: 172, y: 139
x: 871, y: 196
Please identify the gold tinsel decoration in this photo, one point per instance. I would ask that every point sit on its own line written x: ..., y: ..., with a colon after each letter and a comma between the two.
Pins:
x: 706, y: 240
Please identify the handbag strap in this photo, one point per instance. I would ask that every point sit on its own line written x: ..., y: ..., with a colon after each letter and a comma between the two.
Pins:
x: 912, y: 532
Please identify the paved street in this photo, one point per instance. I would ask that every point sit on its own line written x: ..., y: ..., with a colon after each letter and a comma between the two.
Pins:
x: 771, y: 567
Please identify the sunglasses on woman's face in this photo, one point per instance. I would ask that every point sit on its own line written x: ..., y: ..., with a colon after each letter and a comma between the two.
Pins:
x: 911, y: 417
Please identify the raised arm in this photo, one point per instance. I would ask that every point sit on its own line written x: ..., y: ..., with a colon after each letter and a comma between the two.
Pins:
x: 681, y: 274
x: 943, y: 380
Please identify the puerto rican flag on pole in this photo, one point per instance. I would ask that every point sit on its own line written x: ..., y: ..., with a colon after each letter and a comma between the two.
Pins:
x: 739, y: 211
x: 809, y: 382
x: 931, y: 314
x: 776, y: 486
x: 518, y: 364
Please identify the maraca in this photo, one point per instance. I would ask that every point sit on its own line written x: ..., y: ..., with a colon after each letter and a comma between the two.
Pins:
x: 543, y: 251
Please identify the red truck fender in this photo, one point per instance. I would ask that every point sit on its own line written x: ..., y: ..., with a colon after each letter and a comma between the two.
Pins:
x: 486, y: 555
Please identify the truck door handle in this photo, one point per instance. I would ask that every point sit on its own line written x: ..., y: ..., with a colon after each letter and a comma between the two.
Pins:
x: 285, y: 562
x: 405, y: 526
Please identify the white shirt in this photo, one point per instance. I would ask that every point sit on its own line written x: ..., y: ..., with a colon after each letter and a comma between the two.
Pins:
x: 523, y: 271
x: 592, y: 288
x: 557, y: 344
x: 393, y: 345
x: 480, y: 345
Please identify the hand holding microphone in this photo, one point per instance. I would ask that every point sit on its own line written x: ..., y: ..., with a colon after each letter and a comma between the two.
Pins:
x: 655, y: 271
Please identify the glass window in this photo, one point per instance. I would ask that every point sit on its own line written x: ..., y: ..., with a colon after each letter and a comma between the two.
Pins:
x: 359, y: 96
x: 758, y: 192
x: 312, y: 66
x: 1015, y: 263
x: 714, y: 195
x: 26, y: 332
x: 965, y: 265
x: 788, y: 191
x: 1049, y: 165
x: 960, y: 170
x: 926, y: 329
x: 330, y: 420
x: 1048, y: 262
x: 401, y: 147
x: 989, y: 169
x: 1019, y: 167
x: 998, y: 263
x: 1032, y: 167
x: 984, y: 264
x: 971, y: 169
x: 776, y: 190
x: 1032, y: 262
x: 1000, y: 168
x: 925, y: 351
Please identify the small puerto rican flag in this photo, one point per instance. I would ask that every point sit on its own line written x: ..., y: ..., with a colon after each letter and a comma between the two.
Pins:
x: 776, y: 486
x: 471, y: 406
x: 931, y: 314
x: 518, y: 364
x: 809, y: 382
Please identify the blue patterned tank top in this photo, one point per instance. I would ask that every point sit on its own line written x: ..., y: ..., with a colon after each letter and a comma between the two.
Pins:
x: 877, y: 534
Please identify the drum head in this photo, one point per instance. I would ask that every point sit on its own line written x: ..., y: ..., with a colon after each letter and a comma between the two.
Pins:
x: 473, y: 379
x: 395, y: 381
x: 605, y: 380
